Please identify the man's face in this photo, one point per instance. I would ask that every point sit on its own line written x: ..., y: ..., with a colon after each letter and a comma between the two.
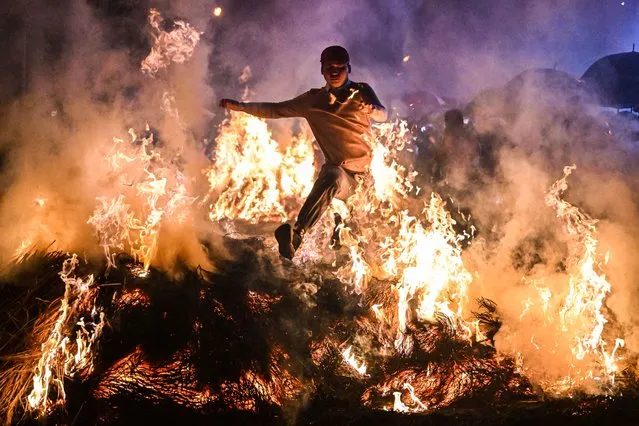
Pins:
x: 335, y: 73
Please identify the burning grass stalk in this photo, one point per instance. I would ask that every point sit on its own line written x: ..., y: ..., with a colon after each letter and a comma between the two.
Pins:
x: 63, y: 345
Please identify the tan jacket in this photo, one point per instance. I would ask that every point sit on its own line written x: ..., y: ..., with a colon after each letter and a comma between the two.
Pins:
x: 341, y: 128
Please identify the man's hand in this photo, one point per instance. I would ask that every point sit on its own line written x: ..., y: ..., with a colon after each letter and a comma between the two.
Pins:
x: 230, y: 104
x: 366, y: 108
x: 375, y: 112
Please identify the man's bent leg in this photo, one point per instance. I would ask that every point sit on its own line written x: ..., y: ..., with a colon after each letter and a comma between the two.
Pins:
x: 318, y: 200
x: 347, y: 188
x: 332, y: 181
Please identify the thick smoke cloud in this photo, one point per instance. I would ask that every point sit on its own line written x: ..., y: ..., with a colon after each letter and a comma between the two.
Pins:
x: 456, y: 49
x: 80, y: 86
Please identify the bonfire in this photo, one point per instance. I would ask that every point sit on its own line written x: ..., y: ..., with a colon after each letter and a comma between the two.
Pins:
x: 380, y: 323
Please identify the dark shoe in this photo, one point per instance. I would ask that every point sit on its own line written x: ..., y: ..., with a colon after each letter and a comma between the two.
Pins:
x: 288, y: 240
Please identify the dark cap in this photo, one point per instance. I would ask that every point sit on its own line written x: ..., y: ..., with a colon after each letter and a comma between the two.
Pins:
x: 335, y: 53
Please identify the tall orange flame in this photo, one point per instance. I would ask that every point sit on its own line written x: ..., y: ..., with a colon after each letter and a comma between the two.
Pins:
x: 252, y: 179
x: 153, y: 190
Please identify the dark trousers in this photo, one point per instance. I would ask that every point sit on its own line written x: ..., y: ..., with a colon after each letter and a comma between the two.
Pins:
x: 333, y: 181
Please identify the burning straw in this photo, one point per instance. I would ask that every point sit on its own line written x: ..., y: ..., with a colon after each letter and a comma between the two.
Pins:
x: 412, y: 344
x: 65, y: 336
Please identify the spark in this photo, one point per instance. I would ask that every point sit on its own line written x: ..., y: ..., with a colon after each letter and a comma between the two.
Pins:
x: 217, y: 11
x: 406, y: 58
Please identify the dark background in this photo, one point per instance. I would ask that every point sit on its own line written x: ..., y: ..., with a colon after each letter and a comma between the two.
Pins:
x: 456, y: 47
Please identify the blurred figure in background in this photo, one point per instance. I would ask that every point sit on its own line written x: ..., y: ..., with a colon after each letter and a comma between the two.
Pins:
x: 457, y: 154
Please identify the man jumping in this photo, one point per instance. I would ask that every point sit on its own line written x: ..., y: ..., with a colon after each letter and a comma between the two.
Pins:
x: 339, y: 115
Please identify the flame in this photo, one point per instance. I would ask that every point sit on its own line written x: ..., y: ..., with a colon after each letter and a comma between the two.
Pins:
x: 177, y: 45
x: 350, y: 359
x: 38, y: 232
x: 251, y: 178
x: 420, y: 256
x: 581, y: 315
x: 421, y: 406
x: 398, y: 405
x: 573, y: 323
x: 131, y: 221
x: 61, y: 356
x: 25, y: 247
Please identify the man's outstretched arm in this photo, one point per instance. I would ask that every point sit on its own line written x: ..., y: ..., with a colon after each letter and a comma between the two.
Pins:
x: 295, y: 107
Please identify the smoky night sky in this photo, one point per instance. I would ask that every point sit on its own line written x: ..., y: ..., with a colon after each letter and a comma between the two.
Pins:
x: 456, y: 47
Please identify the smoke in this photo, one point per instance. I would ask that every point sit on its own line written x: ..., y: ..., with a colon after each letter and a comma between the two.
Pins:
x: 455, y: 49
x: 80, y: 87
x: 524, y: 255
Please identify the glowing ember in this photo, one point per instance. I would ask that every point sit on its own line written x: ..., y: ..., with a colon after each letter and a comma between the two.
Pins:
x: 242, y: 393
x: 217, y: 11
x: 131, y: 298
